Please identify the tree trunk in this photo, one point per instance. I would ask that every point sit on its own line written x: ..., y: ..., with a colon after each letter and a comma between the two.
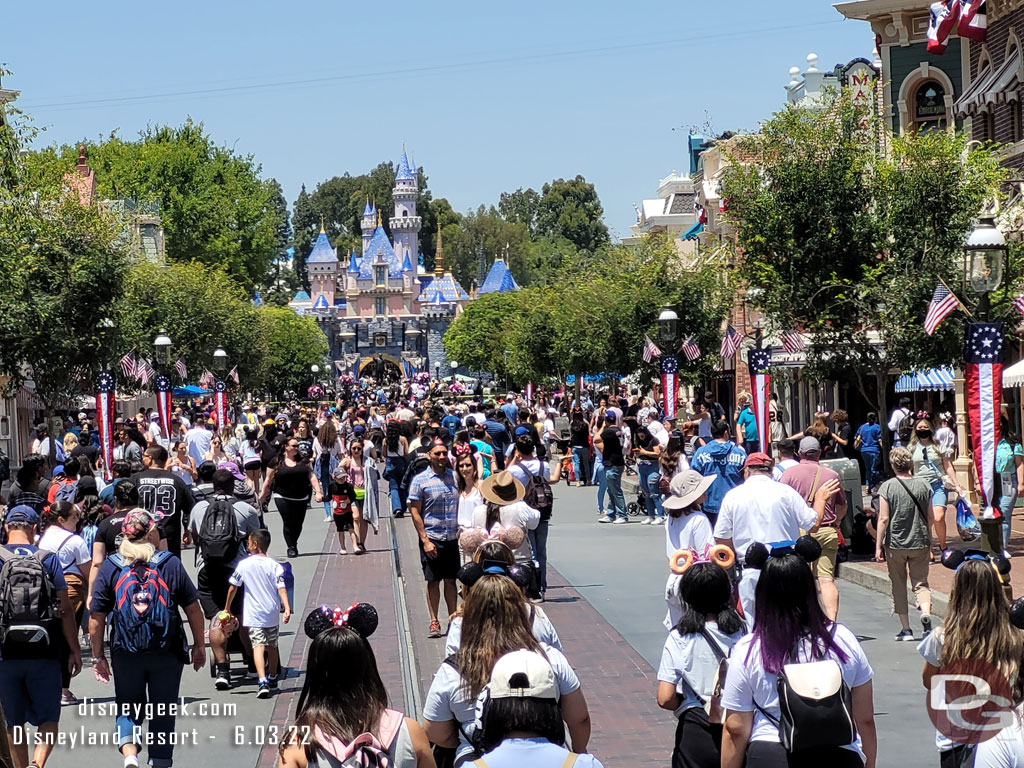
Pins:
x: 881, y: 380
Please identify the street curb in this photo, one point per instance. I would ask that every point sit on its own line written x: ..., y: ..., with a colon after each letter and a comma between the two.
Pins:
x: 864, y: 576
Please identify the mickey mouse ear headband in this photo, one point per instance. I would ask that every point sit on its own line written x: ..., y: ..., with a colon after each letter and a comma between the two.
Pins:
x: 361, y: 617
x: 473, y: 538
x: 682, y: 559
x: 954, y: 558
x: 471, y: 573
x: 806, y: 547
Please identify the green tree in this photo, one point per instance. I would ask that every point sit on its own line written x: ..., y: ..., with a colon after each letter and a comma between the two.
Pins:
x: 293, y: 344
x: 571, y: 209
x: 848, y: 244
x: 471, y: 245
x: 520, y: 207
x: 214, y: 206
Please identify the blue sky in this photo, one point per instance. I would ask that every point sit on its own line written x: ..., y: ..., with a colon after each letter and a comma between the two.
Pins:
x: 487, y: 96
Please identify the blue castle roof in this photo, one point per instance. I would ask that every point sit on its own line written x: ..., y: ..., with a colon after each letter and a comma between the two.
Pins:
x: 353, y: 262
x: 379, y: 244
x: 405, y: 171
x: 499, y: 279
x: 300, y: 297
x: 442, y: 290
x: 321, y: 302
x: 322, y: 251
x: 406, y: 264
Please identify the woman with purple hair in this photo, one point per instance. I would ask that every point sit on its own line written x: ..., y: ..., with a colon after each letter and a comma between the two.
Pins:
x: 790, y: 630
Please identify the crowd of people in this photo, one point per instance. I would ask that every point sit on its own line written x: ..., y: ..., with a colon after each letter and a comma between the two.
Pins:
x: 756, y: 666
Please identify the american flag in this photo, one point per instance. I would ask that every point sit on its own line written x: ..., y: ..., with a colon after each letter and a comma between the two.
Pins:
x: 973, y: 20
x: 700, y: 213
x: 651, y: 350
x: 942, y: 304
x: 233, y: 375
x: 731, y: 342
x: 179, y: 366
x: 792, y: 341
x: 983, y: 382
x: 207, y: 379
x: 690, y: 349
x: 128, y: 365
x: 1018, y: 303
x: 144, y: 371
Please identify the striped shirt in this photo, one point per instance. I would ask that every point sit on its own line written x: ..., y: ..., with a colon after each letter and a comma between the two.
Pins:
x: 439, y: 503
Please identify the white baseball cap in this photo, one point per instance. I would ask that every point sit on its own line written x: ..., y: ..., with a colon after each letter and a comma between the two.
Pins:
x: 523, y: 674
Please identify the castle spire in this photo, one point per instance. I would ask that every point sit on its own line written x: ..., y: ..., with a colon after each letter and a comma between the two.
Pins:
x: 439, y: 257
x: 321, y: 223
x: 378, y: 219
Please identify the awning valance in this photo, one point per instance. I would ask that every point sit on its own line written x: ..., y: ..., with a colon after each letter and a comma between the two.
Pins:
x: 994, y: 86
x: 932, y: 380
x: 692, y: 232
x: 1014, y: 375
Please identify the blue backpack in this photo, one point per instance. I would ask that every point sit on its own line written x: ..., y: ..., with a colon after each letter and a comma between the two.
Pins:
x: 144, y: 616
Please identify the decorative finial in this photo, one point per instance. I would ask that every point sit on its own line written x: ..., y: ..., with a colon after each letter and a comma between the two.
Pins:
x: 439, y: 257
x: 322, y: 224
x: 378, y: 219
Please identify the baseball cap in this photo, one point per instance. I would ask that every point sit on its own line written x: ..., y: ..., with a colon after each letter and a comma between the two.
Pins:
x: 758, y: 459
x: 231, y: 467
x: 810, y: 444
x: 522, y: 431
x: 358, y: 429
x: 523, y: 674
x: 154, y: 416
x: 22, y: 513
x: 138, y: 523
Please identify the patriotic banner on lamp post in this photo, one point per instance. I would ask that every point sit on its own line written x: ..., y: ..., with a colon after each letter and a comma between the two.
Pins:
x: 759, y: 360
x: 983, y: 375
x: 669, y: 384
x: 105, y: 419
x: 221, y: 403
x: 163, y: 404
x: 529, y: 393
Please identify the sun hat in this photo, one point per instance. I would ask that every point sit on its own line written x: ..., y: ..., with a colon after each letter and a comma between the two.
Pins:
x: 522, y: 674
x: 502, y: 488
x: 685, y: 488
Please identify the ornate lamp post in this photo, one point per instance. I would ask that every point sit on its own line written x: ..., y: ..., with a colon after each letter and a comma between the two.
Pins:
x: 220, y: 387
x: 668, y: 332
x: 161, y: 384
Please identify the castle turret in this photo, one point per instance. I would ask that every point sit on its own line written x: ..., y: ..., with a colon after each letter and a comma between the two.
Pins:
x: 405, y: 224
x: 322, y: 268
x: 368, y: 223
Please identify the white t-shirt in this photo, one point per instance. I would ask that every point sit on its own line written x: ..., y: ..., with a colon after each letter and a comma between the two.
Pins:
x: 543, y: 630
x: 68, y: 546
x: 536, y: 753
x: 782, y: 466
x: 261, y: 576
x: 762, y: 510
x: 466, y: 506
x: 446, y: 700
x: 689, y: 663
x: 692, y: 531
x: 519, y: 513
x: 530, y: 467
x: 1006, y: 750
x: 747, y: 681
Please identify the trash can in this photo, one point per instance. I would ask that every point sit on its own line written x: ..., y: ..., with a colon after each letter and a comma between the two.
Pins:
x: 849, y: 475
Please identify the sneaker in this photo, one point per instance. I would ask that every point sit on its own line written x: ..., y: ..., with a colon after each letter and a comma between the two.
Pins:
x: 659, y: 521
x: 435, y: 629
x: 647, y: 521
x: 605, y: 519
x: 620, y: 520
x: 926, y: 625
x: 342, y: 551
x: 293, y: 552
x: 327, y: 518
x: 223, y: 681
x: 1006, y: 554
x: 264, y: 691
x: 272, y: 682
x: 905, y: 635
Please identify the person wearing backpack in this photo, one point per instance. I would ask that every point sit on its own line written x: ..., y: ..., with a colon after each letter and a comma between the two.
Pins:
x: 34, y: 635
x: 534, y: 474
x: 220, y: 528
x: 692, y: 660
x: 901, y: 423
x: 343, y: 706
x: 798, y: 692
x: 142, y: 590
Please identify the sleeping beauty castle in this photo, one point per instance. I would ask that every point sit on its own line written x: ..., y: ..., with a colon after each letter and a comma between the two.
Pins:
x: 383, y: 314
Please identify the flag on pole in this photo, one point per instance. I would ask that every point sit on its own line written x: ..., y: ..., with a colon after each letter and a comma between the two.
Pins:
x: 973, y: 20
x: 944, y: 17
x: 233, y: 375
x: 179, y: 366
x: 759, y: 360
x: 699, y: 213
x: 983, y: 377
x: 651, y: 350
x: 730, y: 342
x: 690, y: 349
x: 128, y: 365
x: 942, y: 304
x: 207, y: 380
x: 1018, y: 303
x: 792, y: 341
x: 529, y: 393
x: 144, y: 371
x: 669, y: 385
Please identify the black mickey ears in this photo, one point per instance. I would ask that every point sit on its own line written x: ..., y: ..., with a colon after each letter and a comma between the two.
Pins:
x: 808, y: 548
x: 361, y: 617
x: 757, y: 555
x: 470, y: 574
x: 1017, y: 613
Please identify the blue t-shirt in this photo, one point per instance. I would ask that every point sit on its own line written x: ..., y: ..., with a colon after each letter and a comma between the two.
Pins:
x: 748, y: 423
x: 725, y: 462
x: 183, y: 593
x: 535, y: 752
x: 452, y: 424
x: 870, y: 438
x: 511, y: 411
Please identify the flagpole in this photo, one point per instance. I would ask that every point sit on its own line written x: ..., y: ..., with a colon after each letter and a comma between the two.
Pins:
x: 960, y: 304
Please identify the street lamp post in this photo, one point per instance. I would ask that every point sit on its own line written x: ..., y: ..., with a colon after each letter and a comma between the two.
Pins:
x: 220, y: 387
x: 162, y: 348
x: 668, y: 331
x: 453, y: 365
x: 161, y: 384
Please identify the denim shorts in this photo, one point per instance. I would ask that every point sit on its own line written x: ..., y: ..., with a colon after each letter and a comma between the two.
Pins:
x: 30, y: 691
x: 939, y: 494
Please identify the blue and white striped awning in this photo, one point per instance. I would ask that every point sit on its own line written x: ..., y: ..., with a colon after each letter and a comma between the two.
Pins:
x: 932, y: 380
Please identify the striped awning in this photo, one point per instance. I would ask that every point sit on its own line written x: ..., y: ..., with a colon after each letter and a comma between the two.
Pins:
x: 932, y: 380
x: 1014, y: 375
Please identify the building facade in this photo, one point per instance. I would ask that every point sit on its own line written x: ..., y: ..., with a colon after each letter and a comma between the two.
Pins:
x: 383, y: 314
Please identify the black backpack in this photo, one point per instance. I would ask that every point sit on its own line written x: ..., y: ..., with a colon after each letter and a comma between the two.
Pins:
x: 905, y: 428
x: 539, y: 494
x: 30, y: 622
x: 219, y: 538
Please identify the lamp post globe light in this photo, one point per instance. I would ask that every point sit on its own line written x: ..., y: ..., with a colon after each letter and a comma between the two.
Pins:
x: 162, y: 347
x: 668, y: 325
x: 220, y: 360
x: 984, y: 256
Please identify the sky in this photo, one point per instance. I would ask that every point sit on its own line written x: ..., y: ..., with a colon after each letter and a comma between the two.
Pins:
x: 487, y: 96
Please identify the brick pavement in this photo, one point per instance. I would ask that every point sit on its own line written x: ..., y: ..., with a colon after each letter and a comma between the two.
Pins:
x: 342, y: 580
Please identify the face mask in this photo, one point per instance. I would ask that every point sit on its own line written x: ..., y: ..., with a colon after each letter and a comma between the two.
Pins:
x: 924, y: 434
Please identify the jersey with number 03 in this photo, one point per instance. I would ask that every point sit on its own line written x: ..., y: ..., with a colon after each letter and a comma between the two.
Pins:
x: 162, y: 491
